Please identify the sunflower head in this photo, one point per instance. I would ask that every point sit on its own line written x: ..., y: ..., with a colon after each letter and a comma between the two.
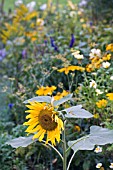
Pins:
x: 43, y: 119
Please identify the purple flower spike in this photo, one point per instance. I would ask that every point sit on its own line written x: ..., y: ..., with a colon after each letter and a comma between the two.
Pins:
x: 91, y: 23
x: 72, y: 41
x: 10, y: 105
x: 24, y: 53
x: 53, y: 44
x: 2, y: 54
x: 45, y: 41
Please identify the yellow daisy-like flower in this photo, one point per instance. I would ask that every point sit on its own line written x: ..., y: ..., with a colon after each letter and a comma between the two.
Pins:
x: 45, y: 90
x: 60, y: 95
x: 109, y: 47
x: 71, y: 68
x: 101, y: 103
x: 110, y: 96
x: 77, y: 128
x: 106, y: 57
x: 43, y: 119
x: 96, y: 115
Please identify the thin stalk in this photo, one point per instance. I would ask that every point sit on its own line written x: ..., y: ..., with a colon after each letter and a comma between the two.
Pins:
x: 71, y: 160
x: 69, y: 83
x: 64, y: 148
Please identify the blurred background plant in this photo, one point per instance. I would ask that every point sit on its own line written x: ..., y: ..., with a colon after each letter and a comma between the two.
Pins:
x: 36, y: 41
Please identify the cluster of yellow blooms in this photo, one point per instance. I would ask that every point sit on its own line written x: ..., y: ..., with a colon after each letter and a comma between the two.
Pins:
x: 44, y: 91
x: 96, y: 62
x: 97, y: 58
x: 24, y: 23
x: 103, y: 103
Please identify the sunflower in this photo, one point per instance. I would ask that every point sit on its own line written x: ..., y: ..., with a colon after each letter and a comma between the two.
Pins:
x: 43, y: 119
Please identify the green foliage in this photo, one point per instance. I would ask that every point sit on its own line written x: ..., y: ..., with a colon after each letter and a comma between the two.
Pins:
x: 32, y: 62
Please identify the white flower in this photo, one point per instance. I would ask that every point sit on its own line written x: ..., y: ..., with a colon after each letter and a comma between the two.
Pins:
x: 99, y: 165
x: 93, y: 84
x: 77, y: 55
x: 95, y: 53
x: 98, y: 91
x: 98, y: 149
x: 31, y: 6
x: 40, y: 22
x: 111, y: 78
x: 94, y: 73
x: 43, y: 7
x: 111, y: 166
x: 105, y: 64
x: 83, y: 3
x: 75, y: 52
x: 72, y: 13
x: 18, y: 2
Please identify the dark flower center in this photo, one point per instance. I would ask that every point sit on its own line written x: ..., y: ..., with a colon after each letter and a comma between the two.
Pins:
x: 46, y: 120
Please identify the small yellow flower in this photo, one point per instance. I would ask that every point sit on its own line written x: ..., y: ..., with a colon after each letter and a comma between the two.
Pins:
x: 43, y: 119
x: 106, y: 57
x: 45, y: 90
x: 71, y: 68
x: 60, y: 95
x: 110, y: 96
x: 89, y: 68
x: 96, y: 115
x: 77, y: 128
x: 109, y: 47
x: 101, y: 103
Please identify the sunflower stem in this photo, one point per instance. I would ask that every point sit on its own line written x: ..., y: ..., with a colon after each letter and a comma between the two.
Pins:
x: 64, y: 148
x: 71, y: 160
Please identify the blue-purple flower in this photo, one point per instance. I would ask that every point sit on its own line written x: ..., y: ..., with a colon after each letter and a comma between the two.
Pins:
x: 2, y: 54
x: 53, y: 44
x: 72, y: 41
x: 10, y: 105
x: 24, y: 53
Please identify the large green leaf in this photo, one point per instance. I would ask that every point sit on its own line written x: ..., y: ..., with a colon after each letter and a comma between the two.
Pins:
x: 97, y: 136
x: 62, y: 100
x: 46, y: 99
x: 21, y: 141
x: 77, y: 112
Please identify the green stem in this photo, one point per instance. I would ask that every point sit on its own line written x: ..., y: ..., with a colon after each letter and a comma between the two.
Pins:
x: 71, y: 160
x: 64, y: 148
